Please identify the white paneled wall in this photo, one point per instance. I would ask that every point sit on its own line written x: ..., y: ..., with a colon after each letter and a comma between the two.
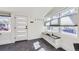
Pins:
x: 20, y: 28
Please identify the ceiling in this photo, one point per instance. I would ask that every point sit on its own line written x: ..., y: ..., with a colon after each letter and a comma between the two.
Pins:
x: 27, y: 11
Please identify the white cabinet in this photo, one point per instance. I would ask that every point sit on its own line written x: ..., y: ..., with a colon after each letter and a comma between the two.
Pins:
x: 52, y: 41
x: 66, y: 42
x: 21, y: 28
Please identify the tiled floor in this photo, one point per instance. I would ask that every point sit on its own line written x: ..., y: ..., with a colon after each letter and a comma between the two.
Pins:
x: 32, y: 45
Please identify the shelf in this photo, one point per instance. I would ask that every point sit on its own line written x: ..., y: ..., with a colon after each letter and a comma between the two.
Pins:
x: 64, y: 25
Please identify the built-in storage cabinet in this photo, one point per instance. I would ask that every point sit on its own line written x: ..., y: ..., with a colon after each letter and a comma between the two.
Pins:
x: 20, y: 28
x: 51, y: 39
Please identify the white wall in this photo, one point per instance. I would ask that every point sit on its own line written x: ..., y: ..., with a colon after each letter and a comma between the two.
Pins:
x: 53, y: 11
x: 34, y: 29
x: 8, y: 37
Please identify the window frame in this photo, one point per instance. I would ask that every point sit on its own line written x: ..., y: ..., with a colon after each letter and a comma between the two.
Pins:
x: 59, y: 19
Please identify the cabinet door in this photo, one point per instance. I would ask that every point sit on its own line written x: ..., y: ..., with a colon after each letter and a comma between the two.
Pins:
x: 20, y: 28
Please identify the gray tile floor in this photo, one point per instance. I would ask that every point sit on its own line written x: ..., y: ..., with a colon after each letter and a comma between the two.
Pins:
x: 28, y: 46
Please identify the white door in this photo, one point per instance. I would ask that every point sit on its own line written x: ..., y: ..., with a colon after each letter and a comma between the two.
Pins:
x: 20, y: 28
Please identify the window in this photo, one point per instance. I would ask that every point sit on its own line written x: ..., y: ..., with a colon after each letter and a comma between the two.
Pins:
x: 68, y: 19
x: 54, y: 22
x: 48, y: 19
x: 63, y: 21
x: 53, y: 28
x: 47, y: 23
x: 4, y: 24
x: 69, y: 30
x: 68, y: 11
x: 56, y: 16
